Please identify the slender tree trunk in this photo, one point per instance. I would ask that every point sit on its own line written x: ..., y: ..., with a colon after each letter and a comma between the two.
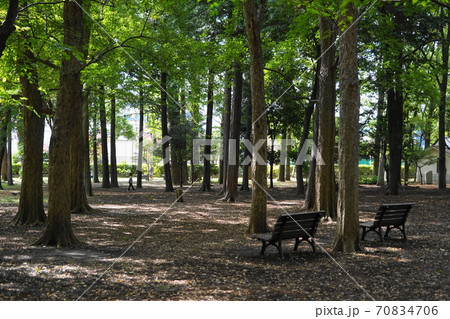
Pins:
x: 165, y: 133
x: 382, y: 163
x: 325, y: 176
x: 247, y: 154
x: 258, y: 215
x: 310, y: 196
x: 9, y: 175
x: 379, y: 130
x: 282, y: 172
x: 309, y: 200
x: 95, y: 149
x: 287, y: 175
x: 206, y: 183
x: 58, y: 231
x: 226, y: 130
x: 31, y: 205
x: 141, y: 139
x: 114, y: 181
x: 231, y: 194
x: 87, y: 162
x: 347, y: 228
x: 442, y: 107
x: 104, y: 137
x: 395, y: 132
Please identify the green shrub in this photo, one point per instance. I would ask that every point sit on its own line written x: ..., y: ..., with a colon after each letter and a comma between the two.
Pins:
x: 16, y: 168
x: 365, y: 170
x: 368, y: 179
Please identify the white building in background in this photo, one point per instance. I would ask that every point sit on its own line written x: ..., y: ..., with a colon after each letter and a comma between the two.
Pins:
x: 430, y: 173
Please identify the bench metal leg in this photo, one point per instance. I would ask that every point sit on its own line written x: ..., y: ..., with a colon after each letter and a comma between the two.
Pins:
x: 401, y: 228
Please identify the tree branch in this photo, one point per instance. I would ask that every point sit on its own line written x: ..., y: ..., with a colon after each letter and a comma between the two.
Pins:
x: 38, y: 3
x: 7, y: 26
x: 442, y: 4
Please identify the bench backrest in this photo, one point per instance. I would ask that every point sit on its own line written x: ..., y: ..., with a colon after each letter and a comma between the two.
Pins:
x: 297, y: 225
x: 393, y: 214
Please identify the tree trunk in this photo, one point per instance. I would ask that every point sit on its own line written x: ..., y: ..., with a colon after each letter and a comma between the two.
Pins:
x: 347, y: 230
x: 379, y: 129
x: 114, y: 181
x: 31, y: 206
x: 95, y: 149
x: 258, y: 215
x: 87, y: 162
x: 395, y: 136
x: 283, y: 160
x: 287, y: 175
x: 442, y: 105
x: 226, y: 131
x: 141, y: 139
x: 7, y: 27
x: 165, y: 133
x: 381, y: 169
x: 104, y: 137
x: 231, y: 194
x: 310, y: 196
x: 325, y: 176
x: 58, y: 231
x: 206, y: 183
x: 247, y: 154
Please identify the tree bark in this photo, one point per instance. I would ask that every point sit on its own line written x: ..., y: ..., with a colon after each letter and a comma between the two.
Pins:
x: 7, y: 27
x: 306, y: 127
x: 114, y: 181
x: 206, y: 183
x: 231, y: 194
x: 325, y: 176
x: 247, y: 154
x: 226, y: 130
x: 104, y: 137
x: 395, y: 137
x: 87, y: 162
x: 347, y: 228
x: 58, y: 231
x: 442, y: 106
x: 141, y: 139
x: 282, y: 172
x: 165, y: 133
x: 31, y: 205
x: 95, y: 149
x: 258, y: 215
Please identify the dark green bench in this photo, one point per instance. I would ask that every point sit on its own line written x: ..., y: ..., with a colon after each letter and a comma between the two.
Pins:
x: 298, y: 226
x: 389, y: 215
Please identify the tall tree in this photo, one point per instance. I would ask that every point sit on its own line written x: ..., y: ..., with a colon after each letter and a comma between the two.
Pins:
x: 347, y: 227
x: 206, y: 183
x: 325, y: 176
x: 253, y: 18
x: 58, y: 231
x: 226, y: 119
x: 114, y: 181
x: 165, y: 133
x: 442, y: 104
x: 31, y: 204
x: 104, y: 139
x: 231, y: 194
x: 141, y: 139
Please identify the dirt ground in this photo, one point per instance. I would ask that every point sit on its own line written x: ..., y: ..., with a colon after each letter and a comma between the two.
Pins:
x: 143, y: 246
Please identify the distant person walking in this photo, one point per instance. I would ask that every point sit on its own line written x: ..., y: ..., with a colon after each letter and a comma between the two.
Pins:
x: 130, y: 183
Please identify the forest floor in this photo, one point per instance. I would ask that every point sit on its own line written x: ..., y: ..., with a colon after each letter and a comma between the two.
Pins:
x: 143, y: 246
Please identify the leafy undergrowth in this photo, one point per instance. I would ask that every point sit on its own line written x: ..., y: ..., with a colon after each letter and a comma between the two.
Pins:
x: 138, y: 246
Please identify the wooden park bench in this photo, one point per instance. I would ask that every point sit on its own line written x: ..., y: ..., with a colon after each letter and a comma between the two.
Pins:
x: 298, y: 226
x: 389, y: 215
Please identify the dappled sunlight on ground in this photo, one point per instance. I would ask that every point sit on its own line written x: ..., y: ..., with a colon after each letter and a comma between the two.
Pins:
x: 145, y: 248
